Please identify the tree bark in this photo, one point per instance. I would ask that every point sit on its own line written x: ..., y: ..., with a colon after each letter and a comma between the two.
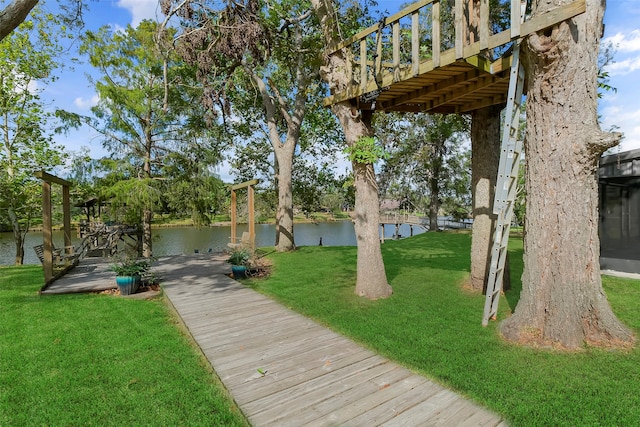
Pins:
x: 14, y: 14
x: 284, y: 214
x: 562, y: 301
x: 485, y: 155
x: 284, y: 151
x: 147, y: 212
x: 147, y: 247
x: 371, y: 280
x: 17, y: 237
x: 434, y: 196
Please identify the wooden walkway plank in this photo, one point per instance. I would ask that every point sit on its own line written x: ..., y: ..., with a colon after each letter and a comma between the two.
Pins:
x: 287, y: 373
x: 326, y: 410
x: 305, y: 358
x: 428, y: 411
x: 360, y: 405
x: 333, y: 378
x: 324, y: 405
x: 397, y: 404
x: 262, y: 317
x: 300, y: 406
x: 286, y: 370
x: 258, y: 350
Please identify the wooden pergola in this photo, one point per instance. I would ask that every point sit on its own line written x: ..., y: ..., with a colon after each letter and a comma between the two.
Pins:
x: 47, y: 221
x: 251, y: 215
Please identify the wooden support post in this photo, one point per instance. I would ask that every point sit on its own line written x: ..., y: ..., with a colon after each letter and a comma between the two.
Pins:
x: 363, y: 64
x: 234, y: 219
x: 47, y: 220
x: 252, y: 221
x: 234, y: 212
x: 484, y: 24
x: 377, y: 64
x: 515, y: 18
x: 435, y: 33
x: 415, y: 43
x: 66, y: 222
x: 396, y: 50
x: 470, y: 33
x: 459, y: 29
x: 47, y: 232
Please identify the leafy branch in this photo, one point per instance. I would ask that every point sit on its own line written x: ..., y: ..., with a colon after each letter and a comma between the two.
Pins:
x: 366, y: 150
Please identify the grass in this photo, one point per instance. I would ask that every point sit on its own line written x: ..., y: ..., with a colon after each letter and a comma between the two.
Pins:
x: 99, y: 360
x: 432, y: 325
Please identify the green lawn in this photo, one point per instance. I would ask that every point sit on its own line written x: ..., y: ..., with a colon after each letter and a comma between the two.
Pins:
x: 432, y: 325
x: 99, y: 360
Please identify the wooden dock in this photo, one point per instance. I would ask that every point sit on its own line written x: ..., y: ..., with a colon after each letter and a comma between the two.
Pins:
x: 90, y: 275
x: 286, y: 370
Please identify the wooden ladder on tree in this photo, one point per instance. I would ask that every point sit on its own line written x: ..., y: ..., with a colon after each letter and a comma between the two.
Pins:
x: 506, y: 184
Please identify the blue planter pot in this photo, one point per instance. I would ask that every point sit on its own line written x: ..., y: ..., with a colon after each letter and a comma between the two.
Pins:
x: 128, y: 284
x: 239, y: 271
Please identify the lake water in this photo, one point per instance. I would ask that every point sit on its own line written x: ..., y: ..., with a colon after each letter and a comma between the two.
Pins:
x: 185, y: 240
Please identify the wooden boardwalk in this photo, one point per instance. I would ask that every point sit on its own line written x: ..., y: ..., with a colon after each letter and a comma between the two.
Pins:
x: 286, y: 370
x: 91, y: 275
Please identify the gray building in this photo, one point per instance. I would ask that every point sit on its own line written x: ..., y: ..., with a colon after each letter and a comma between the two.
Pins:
x: 619, y: 179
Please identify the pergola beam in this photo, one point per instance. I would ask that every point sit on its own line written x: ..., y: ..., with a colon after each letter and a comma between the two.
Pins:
x: 47, y: 220
x: 234, y: 210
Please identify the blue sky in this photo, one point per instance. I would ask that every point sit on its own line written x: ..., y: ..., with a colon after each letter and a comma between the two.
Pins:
x: 621, y: 108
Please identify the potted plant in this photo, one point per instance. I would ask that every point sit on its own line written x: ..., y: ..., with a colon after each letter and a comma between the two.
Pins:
x: 129, y: 273
x: 239, y: 258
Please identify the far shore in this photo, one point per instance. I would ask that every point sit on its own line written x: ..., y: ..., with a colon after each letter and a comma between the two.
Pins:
x: 321, y: 217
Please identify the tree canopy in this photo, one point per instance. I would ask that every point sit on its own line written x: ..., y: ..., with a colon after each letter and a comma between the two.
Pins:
x: 29, y: 57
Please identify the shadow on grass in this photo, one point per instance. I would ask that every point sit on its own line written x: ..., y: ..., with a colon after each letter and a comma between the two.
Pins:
x: 441, y: 251
x: 516, y: 266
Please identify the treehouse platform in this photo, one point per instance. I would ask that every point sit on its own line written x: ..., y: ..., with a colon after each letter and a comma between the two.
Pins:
x: 434, y: 58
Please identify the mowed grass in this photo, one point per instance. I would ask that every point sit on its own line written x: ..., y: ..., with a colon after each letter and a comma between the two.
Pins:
x: 432, y: 324
x: 98, y: 360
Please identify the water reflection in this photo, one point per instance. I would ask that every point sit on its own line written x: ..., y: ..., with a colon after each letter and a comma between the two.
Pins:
x: 185, y: 240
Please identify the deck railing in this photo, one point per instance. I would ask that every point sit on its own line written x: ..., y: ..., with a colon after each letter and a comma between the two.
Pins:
x: 428, y: 35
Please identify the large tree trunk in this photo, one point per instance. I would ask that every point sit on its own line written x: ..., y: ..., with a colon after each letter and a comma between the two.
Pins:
x: 284, y: 215
x: 371, y: 281
x: 14, y: 14
x: 562, y: 301
x: 283, y: 151
x: 434, y: 199
x: 147, y: 249
x: 147, y: 213
x: 17, y: 237
x: 485, y: 156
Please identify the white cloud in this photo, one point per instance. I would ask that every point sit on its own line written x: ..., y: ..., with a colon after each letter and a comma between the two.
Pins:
x: 140, y: 9
x: 85, y: 104
x: 626, y: 121
x: 625, y: 43
x: 626, y: 66
x: 117, y: 28
x: 31, y: 86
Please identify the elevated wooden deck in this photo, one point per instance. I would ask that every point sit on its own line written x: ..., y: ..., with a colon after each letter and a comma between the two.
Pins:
x: 423, y: 58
